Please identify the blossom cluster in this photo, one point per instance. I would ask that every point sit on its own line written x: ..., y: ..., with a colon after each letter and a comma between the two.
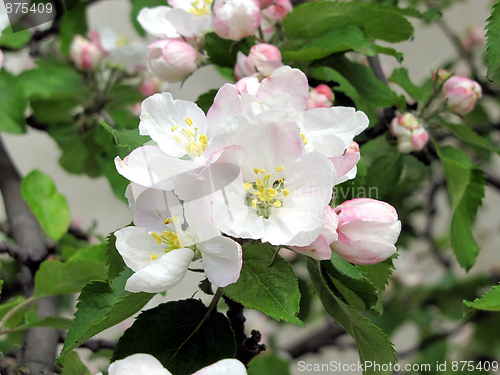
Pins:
x: 181, y: 29
x: 260, y: 166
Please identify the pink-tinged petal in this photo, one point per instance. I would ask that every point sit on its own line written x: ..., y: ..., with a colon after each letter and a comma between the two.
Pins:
x: 161, y: 113
x: 138, y: 364
x: 286, y: 80
x: 248, y: 85
x: 419, y: 139
x: 222, y: 260
x: 319, y: 249
x: 345, y: 164
x: 227, y: 103
x: 151, y: 167
x: 227, y: 366
x: 329, y: 231
x: 161, y: 274
x: 154, y: 21
x: 365, y: 209
x: 362, y: 252
x: 383, y: 232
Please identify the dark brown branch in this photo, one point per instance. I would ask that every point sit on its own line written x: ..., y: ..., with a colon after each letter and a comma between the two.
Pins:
x: 13, y: 250
x: 247, y: 348
x: 39, y: 349
x: 312, y: 344
x: 98, y: 344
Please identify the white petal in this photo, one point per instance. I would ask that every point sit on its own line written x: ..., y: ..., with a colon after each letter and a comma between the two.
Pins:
x: 362, y: 252
x: 386, y: 233
x: 319, y: 249
x: 227, y: 103
x: 161, y: 274
x: 187, y: 24
x: 138, y: 364
x: 221, y: 260
x: 154, y: 21
x: 161, y: 113
x: 228, y: 366
x: 137, y: 247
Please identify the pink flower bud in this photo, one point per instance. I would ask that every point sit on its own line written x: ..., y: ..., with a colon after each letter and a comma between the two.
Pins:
x: 473, y: 37
x: 265, y: 3
x: 2, y: 58
x: 367, y: 231
x: 136, y: 109
x: 149, y: 87
x: 410, y: 133
x: 461, y: 94
x: 85, y: 54
x: 95, y: 37
x: 353, y: 148
x: 262, y: 60
x: 320, y: 97
x: 277, y: 11
x: 172, y: 60
x: 236, y: 19
x: 441, y: 75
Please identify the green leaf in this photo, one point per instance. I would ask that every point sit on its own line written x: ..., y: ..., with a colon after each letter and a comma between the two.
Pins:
x: 72, y: 365
x: 223, y: 52
x: 493, y: 40
x: 206, y: 100
x: 466, y: 188
x: 269, y: 364
x: 373, y: 345
x: 267, y: 283
x: 55, y: 277
x: 338, y: 40
x: 50, y: 111
x: 49, y: 321
x: 12, y: 104
x: 51, y: 79
x: 489, y: 302
x: 102, y: 305
x: 390, y: 52
x: 345, y: 275
x: 372, y: 92
x: 182, y: 335
x: 467, y: 135
x: 384, y: 173
x: 379, y: 273
x: 115, y: 261
x: 328, y: 74
x: 400, y: 77
x: 14, y: 40
x: 129, y: 139
x: 73, y: 22
x: 50, y: 208
x: 137, y: 5
x: 312, y: 20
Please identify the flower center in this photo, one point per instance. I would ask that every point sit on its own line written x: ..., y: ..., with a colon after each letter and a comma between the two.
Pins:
x: 201, y: 8
x: 194, y: 143
x: 171, y: 239
x: 263, y: 194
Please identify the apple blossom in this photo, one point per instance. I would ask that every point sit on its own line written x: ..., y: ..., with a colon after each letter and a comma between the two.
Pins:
x: 158, y: 248
x: 320, y: 97
x: 236, y: 19
x: 461, y: 94
x: 262, y: 60
x: 149, y: 87
x: 172, y: 60
x: 146, y: 364
x: 186, y: 141
x: 2, y: 58
x: 441, y: 75
x: 84, y: 53
x: 410, y: 133
x: 277, y: 11
x: 281, y: 194
x: 367, y: 231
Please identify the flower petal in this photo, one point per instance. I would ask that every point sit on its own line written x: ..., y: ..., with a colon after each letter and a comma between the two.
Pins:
x: 227, y: 366
x: 222, y: 260
x: 138, y: 364
x: 319, y: 249
x: 154, y: 21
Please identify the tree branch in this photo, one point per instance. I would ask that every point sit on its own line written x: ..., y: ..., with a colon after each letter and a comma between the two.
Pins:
x: 39, y: 349
x: 326, y: 336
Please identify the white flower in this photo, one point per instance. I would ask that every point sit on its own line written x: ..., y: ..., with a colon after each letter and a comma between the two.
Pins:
x: 146, y: 364
x: 167, y: 236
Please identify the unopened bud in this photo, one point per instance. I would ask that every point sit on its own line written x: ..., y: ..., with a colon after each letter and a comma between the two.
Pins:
x: 262, y: 60
x: 410, y: 133
x: 461, y: 94
x: 320, y: 97
x: 172, y: 60
x: 236, y: 19
x: 84, y: 53
x: 441, y: 75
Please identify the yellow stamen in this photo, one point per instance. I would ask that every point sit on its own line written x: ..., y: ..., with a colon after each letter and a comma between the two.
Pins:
x: 258, y: 182
x: 247, y: 185
x: 175, y: 218
x: 285, y: 192
x: 262, y: 171
x: 157, y: 237
x: 154, y: 256
x: 256, y: 170
x: 281, y: 180
x: 189, y: 132
x: 189, y: 121
x: 167, y: 221
x: 304, y: 138
x: 254, y: 203
x: 174, y: 128
x: 279, y: 169
x: 277, y: 204
x: 176, y: 137
x: 203, y: 140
